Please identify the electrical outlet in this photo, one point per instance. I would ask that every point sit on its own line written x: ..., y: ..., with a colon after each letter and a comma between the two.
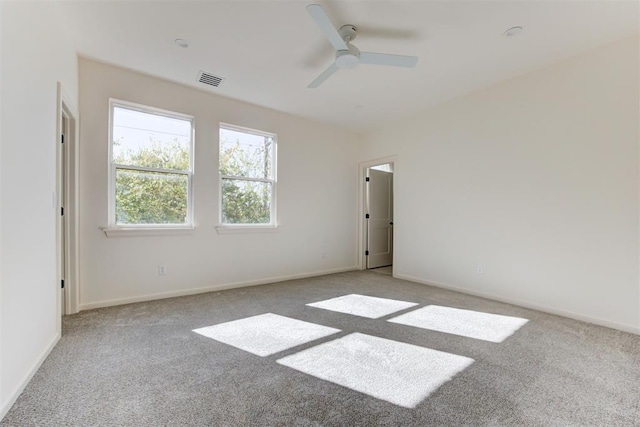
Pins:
x: 162, y: 270
x: 479, y: 269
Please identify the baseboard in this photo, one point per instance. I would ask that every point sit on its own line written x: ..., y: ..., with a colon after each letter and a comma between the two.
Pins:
x: 20, y: 388
x: 221, y: 287
x: 596, y: 321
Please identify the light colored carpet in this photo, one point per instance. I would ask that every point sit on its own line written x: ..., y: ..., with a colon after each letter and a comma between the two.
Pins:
x: 467, y: 323
x: 266, y: 334
x: 363, y: 305
x: 141, y: 365
x: 403, y: 374
x: 388, y: 270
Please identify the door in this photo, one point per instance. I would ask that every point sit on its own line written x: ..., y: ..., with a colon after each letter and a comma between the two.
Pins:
x: 62, y: 194
x: 380, y: 218
x: 66, y: 190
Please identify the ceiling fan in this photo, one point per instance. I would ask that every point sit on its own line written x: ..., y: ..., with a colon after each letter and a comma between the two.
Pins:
x: 347, y: 55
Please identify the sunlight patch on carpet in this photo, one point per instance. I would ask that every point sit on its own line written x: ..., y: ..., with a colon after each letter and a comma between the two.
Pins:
x: 399, y: 373
x: 266, y: 334
x: 467, y: 323
x: 362, y: 305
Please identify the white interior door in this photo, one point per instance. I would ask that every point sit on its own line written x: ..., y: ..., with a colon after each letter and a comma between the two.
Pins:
x: 62, y: 194
x: 380, y: 218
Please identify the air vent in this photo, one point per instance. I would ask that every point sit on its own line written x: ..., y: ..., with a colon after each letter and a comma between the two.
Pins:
x: 210, y: 79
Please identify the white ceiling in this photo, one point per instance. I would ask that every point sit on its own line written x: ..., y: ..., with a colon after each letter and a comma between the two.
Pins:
x: 269, y: 51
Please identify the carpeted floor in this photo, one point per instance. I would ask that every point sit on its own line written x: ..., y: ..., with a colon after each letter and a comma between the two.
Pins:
x: 383, y: 270
x: 142, y: 364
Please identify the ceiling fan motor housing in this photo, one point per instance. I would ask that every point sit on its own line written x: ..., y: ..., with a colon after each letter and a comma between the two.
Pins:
x: 348, y: 58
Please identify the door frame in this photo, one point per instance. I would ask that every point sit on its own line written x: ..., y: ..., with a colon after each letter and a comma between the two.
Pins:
x: 362, y: 203
x: 71, y: 186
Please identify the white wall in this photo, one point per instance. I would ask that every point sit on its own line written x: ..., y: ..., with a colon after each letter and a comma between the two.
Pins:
x: 535, y: 179
x: 31, y: 68
x: 316, y: 204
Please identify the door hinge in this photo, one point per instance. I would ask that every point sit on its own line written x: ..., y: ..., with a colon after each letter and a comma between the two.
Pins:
x: 61, y: 211
x: 62, y: 284
x: 366, y: 216
x: 61, y: 139
x: 367, y: 179
x: 366, y: 253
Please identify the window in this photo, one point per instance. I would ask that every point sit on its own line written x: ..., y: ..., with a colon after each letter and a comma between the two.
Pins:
x: 151, y: 167
x: 247, y: 176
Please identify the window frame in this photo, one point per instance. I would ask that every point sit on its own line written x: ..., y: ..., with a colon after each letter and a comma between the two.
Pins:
x: 261, y: 227
x: 115, y: 229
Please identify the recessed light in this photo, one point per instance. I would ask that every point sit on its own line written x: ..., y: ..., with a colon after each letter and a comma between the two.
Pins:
x: 513, y: 31
x: 182, y: 43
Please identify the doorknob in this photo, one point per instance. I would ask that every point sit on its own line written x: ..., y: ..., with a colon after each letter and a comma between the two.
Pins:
x: 391, y: 223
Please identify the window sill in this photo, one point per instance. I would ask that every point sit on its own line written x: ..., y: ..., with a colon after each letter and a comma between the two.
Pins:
x: 138, y: 232
x: 231, y: 229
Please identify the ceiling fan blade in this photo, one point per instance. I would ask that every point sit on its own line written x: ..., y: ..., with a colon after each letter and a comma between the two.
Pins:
x: 317, y: 13
x: 388, y: 59
x: 323, y: 76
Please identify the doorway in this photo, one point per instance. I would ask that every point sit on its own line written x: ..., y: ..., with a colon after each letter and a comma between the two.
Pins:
x: 378, y: 217
x: 62, y: 202
x: 66, y: 201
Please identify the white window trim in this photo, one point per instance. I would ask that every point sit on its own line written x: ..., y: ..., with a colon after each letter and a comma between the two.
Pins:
x: 271, y: 227
x: 246, y: 228
x: 140, y: 232
x: 118, y: 230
